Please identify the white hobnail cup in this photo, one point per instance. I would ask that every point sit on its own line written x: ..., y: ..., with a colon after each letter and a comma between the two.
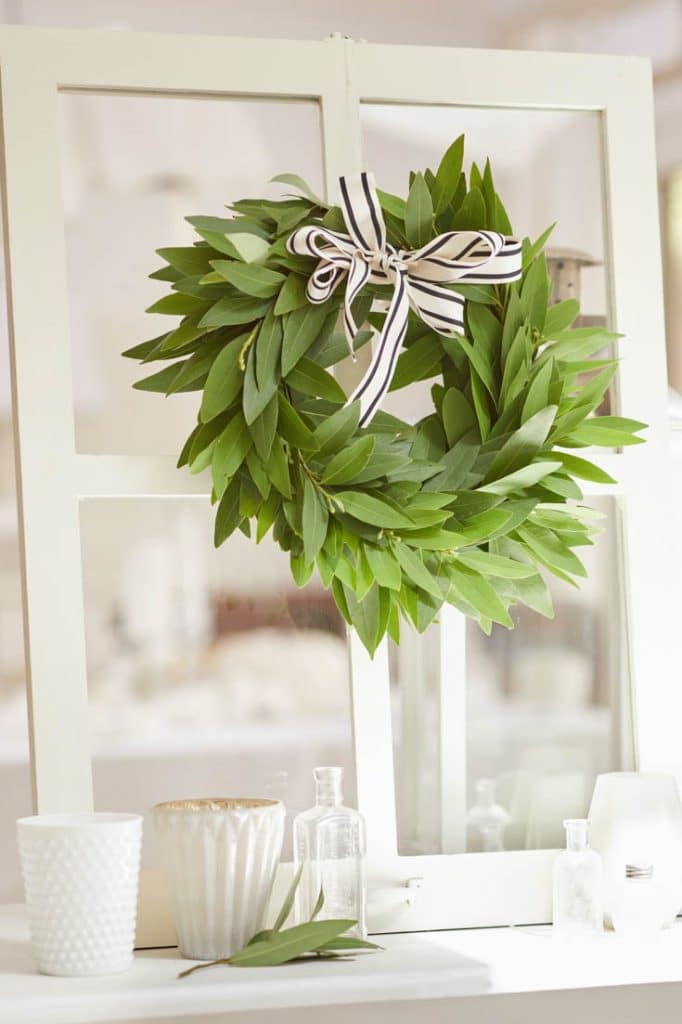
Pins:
x: 81, y: 876
x: 220, y: 856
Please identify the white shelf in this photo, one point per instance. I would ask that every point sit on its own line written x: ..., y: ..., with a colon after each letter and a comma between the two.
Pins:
x: 420, y: 967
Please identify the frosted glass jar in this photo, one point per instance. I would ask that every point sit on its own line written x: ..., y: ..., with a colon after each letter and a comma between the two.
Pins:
x: 636, y: 818
x: 81, y: 876
x: 220, y: 856
x: 640, y: 903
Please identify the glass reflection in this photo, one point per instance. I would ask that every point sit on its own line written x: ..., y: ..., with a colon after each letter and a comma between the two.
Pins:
x: 539, y: 710
x: 133, y: 167
x: 547, y: 166
x: 546, y: 708
x: 548, y: 705
x: 209, y: 672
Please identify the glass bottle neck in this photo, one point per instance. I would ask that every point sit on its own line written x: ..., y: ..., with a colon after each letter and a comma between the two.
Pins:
x: 328, y: 787
x: 577, y: 835
x: 328, y: 796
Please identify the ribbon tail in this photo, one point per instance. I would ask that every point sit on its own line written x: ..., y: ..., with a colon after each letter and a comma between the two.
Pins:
x: 358, y: 276
x: 441, y: 309
x: 377, y: 381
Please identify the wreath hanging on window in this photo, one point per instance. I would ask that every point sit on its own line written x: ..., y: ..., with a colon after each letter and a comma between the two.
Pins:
x: 471, y: 504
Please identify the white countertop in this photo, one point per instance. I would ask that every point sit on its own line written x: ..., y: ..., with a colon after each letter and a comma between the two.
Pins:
x: 417, y: 966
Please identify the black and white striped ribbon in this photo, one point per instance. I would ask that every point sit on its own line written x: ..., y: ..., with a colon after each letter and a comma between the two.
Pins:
x: 419, y: 277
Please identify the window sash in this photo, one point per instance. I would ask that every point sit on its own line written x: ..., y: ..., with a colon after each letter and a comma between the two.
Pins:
x: 52, y: 477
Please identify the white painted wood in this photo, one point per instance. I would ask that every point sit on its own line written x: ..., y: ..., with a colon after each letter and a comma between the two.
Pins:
x: 651, y: 552
x: 44, y: 435
x: 452, y: 721
x: 412, y: 748
x: 369, y: 678
x: 420, y: 976
x: 373, y: 745
x: 175, y: 64
x: 135, y: 476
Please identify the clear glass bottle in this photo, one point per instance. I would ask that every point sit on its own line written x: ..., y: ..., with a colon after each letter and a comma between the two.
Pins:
x: 486, y: 820
x: 329, y: 840
x: 578, y: 884
x: 640, y: 904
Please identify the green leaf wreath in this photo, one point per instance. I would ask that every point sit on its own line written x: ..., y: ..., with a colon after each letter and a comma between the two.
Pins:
x: 471, y: 504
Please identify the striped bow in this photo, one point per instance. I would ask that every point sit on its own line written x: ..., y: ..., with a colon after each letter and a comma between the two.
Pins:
x: 419, y: 277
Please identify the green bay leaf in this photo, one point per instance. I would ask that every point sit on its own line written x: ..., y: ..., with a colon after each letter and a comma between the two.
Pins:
x: 229, y: 452
x: 315, y: 517
x: 372, y: 509
x: 350, y: 461
x: 290, y: 943
x: 303, y: 327
x: 333, y: 433
x: 224, y: 381
x: 250, y: 278
x: 418, y: 213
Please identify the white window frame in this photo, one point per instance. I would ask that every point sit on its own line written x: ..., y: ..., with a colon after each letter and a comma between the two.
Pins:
x: 456, y: 889
x: 473, y: 890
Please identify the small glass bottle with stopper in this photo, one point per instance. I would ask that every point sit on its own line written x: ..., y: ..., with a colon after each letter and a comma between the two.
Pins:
x: 578, y: 887
x: 329, y: 841
x: 640, y: 904
x: 486, y: 820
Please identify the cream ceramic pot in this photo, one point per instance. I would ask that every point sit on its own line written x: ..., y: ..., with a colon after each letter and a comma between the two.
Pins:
x: 220, y: 856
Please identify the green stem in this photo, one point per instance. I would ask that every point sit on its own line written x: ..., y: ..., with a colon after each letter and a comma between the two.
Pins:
x: 200, y: 967
x: 312, y: 476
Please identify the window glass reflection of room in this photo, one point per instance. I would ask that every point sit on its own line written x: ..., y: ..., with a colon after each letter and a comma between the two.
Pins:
x: 209, y: 672
x: 547, y: 708
x: 541, y: 178
x: 133, y: 167
x: 548, y: 705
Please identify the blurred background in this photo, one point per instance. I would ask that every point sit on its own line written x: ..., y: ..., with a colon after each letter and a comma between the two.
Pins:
x: 208, y: 672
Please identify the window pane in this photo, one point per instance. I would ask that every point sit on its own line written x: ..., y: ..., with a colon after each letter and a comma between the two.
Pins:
x: 209, y: 672
x: 547, y: 167
x: 133, y: 168
x: 500, y: 752
x: 548, y: 704
x: 537, y: 714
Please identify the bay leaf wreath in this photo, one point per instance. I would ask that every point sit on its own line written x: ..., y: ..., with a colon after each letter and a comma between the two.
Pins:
x: 472, y: 504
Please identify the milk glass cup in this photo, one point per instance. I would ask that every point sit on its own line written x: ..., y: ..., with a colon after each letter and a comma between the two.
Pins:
x: 81, y: 876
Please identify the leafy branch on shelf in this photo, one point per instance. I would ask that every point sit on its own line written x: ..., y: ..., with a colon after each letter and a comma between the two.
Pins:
x: 312, y: 940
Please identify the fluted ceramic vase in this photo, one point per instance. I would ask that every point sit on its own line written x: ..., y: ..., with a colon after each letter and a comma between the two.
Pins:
x: 221, y: 856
